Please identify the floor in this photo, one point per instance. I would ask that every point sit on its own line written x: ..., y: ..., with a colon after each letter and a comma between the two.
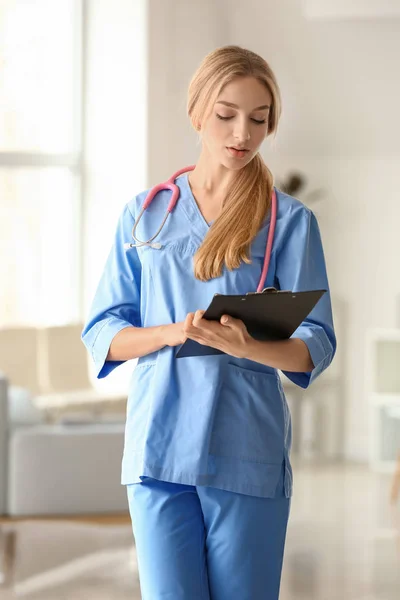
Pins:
x: 343, y: 543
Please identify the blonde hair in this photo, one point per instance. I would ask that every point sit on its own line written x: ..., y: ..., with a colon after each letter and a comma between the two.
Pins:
x: 248, y: 198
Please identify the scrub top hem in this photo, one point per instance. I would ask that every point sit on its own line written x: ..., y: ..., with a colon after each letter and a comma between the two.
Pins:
x: 223, y: 480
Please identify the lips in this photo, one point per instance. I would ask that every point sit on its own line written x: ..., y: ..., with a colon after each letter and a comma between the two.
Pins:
x: 237, y: 152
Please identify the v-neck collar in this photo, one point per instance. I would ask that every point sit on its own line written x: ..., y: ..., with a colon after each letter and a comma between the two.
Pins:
x: 191, y: 208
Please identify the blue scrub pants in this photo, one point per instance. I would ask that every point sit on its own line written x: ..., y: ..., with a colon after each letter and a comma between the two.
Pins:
x: 204, y: 543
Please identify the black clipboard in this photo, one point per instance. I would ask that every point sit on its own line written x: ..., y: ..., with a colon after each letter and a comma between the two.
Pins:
x: 268, y: 315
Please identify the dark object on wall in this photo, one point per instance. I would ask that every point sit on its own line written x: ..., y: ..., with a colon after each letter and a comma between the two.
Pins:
x: 295, y: 183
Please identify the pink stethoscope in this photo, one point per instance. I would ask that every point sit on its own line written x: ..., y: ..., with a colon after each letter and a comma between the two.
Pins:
x: 171, y: 185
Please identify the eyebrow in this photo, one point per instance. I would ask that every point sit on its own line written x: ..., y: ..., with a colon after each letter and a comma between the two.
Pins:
x: 264, y: 107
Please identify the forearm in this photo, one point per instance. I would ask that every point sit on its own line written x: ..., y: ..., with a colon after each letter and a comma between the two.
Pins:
x: 285, y: 355
x: 134, y: 342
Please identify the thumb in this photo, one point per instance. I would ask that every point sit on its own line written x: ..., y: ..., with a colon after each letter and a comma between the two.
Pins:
x: 227, y: 320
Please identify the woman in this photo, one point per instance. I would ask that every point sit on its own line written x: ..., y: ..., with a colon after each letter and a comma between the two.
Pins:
x: 207, y: 442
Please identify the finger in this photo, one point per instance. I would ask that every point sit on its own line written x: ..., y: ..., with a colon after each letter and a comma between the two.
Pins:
x: 198, y: 315
x: 230, y: 321
x: 188, y: 322
x: 205, y: 340
x: 199, y: 339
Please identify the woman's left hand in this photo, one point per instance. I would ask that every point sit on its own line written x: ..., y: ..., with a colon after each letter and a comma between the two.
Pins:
x: 229, y: 335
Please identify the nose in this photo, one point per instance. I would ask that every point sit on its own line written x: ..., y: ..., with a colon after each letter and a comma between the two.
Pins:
x: 242, y: 131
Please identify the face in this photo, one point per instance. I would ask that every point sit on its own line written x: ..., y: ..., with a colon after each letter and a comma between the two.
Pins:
x: 238, y: 123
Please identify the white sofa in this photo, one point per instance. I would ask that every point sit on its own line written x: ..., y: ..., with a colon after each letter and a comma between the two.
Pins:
x: 61, y: 440
x: 68, y: 468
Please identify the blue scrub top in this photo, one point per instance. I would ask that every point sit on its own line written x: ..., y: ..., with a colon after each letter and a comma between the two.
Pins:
x: 210, y: 420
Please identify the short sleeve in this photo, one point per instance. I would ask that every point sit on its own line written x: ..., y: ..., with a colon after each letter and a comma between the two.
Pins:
x: 116, y: 303
x: 300, y: 266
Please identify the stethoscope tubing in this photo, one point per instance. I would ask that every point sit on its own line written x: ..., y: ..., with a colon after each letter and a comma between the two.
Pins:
x: 171, y: 185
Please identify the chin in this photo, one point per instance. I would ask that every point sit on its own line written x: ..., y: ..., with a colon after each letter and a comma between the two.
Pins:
x: 233, y: 165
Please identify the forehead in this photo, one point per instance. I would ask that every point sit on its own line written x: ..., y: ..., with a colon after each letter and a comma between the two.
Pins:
x: 247, y: 91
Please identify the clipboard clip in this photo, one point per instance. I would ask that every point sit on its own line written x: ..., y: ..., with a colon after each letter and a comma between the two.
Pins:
x: 269, y: 290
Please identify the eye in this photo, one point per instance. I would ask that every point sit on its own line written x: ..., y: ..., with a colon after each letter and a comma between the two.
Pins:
x: 228, y: 118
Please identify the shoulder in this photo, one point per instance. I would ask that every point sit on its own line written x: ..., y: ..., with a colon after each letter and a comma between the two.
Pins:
x: 293, y: 218
x: 290, y: 208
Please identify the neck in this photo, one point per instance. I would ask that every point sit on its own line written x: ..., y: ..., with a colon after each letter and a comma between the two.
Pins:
x: 211, y: 179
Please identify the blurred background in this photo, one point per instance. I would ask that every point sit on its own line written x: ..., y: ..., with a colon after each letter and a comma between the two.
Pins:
x: 92, y: 111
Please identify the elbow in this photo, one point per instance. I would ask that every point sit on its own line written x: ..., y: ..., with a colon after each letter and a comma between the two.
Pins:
x: 310, y: 365
x: 306, y: 364
x: 327, y: 349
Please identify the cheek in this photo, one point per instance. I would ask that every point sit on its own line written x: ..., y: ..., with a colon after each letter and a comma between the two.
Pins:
x: 259, y: 136
x: 216, y: 131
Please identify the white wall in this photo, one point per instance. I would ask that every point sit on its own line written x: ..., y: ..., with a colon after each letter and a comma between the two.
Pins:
x: 181, y: 33
x: 340, y: 126
x: 337, y: 78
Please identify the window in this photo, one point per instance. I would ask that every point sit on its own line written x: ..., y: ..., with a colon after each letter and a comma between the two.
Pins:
x: 73, y: 151
x: 40, y: 161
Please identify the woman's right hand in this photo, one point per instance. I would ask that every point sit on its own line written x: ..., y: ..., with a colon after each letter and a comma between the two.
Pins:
x: 174, y: 334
